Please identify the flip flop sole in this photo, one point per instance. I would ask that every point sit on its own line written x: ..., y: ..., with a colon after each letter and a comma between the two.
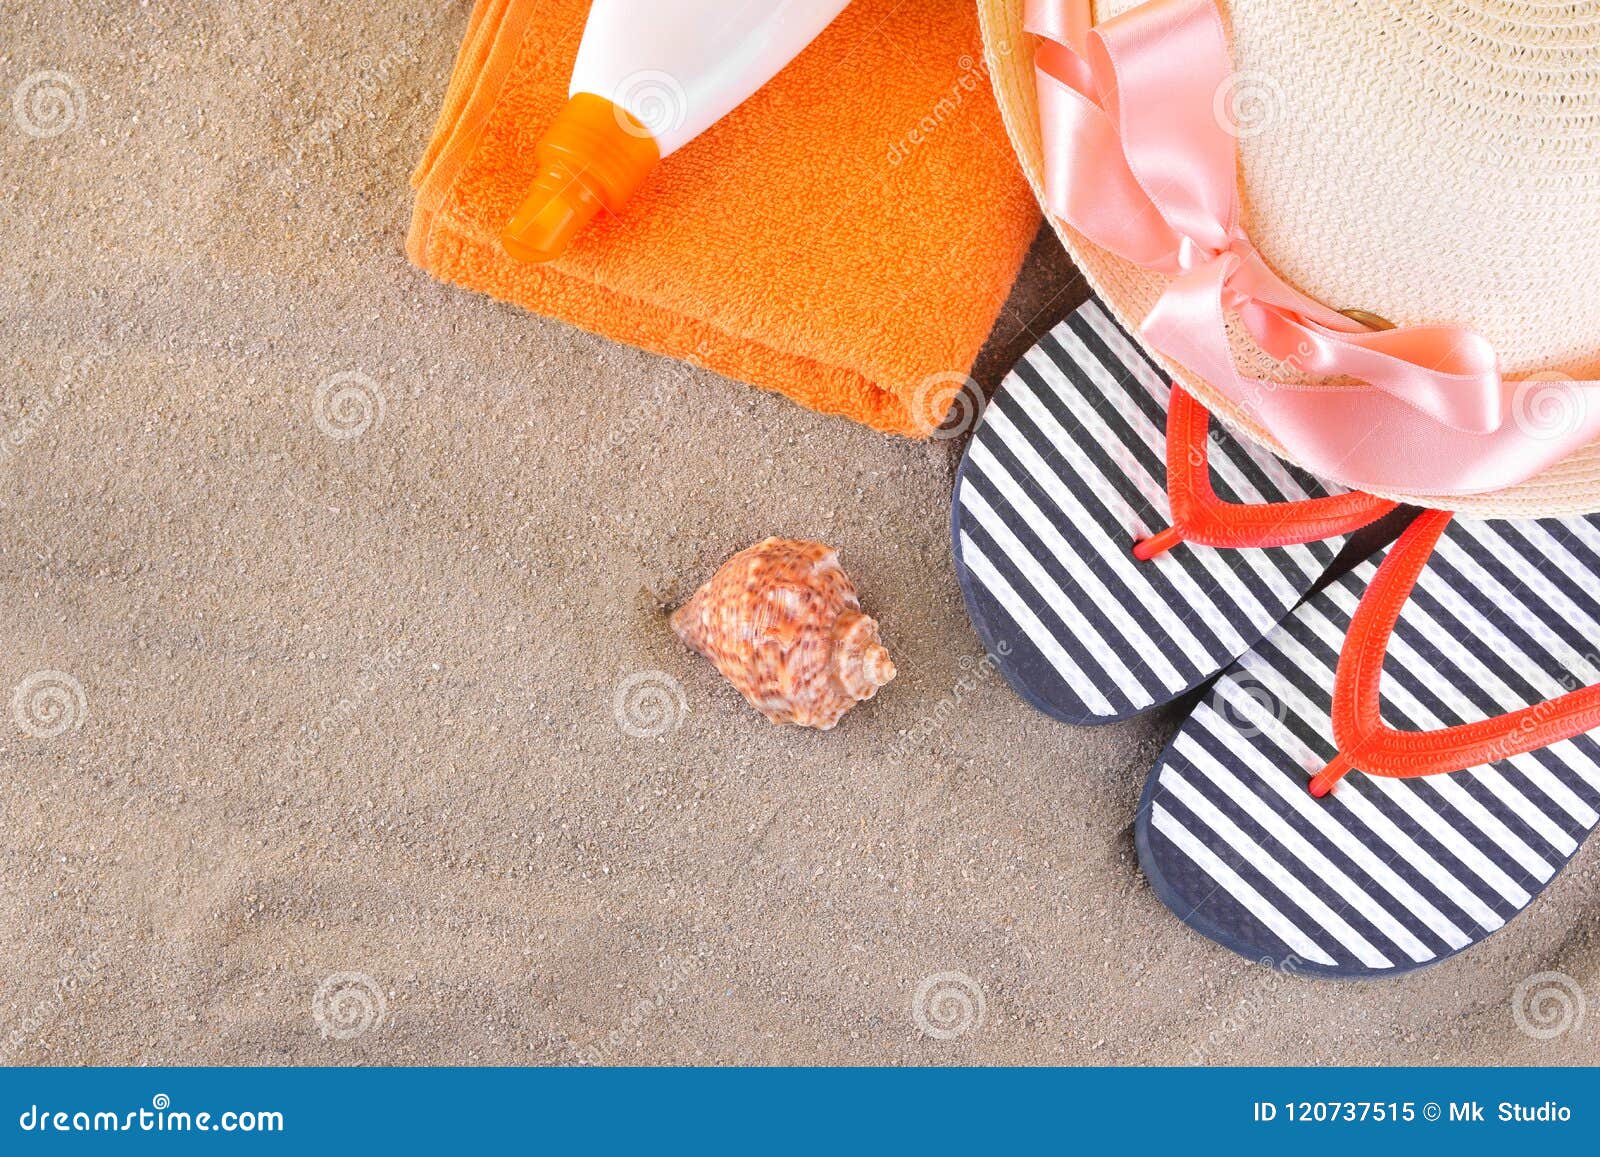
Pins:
x: 1385, y: 876
x: 1065, y: 472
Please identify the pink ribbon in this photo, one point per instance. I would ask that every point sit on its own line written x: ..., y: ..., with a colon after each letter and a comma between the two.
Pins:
x: 1140, y: 161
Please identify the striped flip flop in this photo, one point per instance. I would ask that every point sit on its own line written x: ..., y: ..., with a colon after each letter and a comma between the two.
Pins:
x: 1115, y: 548
x: 1388, y: 778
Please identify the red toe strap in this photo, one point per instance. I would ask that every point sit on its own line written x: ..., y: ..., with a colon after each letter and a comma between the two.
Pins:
x: 1199, y: 516
x: 1367, y: 743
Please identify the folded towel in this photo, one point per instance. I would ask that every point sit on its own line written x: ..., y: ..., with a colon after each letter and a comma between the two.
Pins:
x: 846, y: 236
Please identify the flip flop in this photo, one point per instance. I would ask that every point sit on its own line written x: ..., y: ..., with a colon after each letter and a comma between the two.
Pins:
x: 1112, y: 555
x: 1378, y: 820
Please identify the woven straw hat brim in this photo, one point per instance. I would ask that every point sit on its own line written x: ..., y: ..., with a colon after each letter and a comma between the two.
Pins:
x: 1570, y: 487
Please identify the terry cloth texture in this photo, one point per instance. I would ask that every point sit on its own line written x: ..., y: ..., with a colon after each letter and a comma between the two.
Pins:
x: 846, y: 236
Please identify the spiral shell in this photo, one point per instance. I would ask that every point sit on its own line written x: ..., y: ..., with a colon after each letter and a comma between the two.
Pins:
x: 781, y: 621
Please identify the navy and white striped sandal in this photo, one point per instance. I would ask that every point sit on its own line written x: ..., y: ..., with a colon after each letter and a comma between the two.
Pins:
x: 1392, y: 775
x: 1117, y: 549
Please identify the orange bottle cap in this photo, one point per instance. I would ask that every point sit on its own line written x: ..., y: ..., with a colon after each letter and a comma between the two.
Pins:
x: 594, y: 156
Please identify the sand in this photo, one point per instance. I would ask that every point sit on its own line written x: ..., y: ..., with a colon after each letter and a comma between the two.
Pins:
x: 346, y: 782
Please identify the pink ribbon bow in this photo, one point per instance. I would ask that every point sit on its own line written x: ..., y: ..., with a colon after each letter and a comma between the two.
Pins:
x: 1141, y: 163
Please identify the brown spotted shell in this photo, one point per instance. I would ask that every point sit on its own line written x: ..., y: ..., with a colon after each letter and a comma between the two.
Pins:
x: 781, y: 621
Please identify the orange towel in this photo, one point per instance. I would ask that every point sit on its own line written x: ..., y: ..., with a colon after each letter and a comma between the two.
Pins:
x: 844, y: 236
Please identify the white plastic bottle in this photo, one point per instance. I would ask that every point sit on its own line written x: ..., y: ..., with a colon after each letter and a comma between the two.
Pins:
x: 651, y: 75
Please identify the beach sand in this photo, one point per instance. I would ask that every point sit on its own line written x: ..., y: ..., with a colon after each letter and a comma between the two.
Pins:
x: 347, y: 783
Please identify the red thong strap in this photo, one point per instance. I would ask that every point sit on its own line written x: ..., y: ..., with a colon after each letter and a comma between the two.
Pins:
x: 1199, y: 516
x: 1365, y: 742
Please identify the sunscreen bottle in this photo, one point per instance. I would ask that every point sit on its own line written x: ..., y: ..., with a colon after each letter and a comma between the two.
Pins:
x: 651, y: 76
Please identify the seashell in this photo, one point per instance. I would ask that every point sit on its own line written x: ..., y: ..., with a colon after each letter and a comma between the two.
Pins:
x: 781, y: 621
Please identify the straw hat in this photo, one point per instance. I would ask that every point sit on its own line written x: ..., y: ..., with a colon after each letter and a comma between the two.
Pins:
x: 1427, y: 161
